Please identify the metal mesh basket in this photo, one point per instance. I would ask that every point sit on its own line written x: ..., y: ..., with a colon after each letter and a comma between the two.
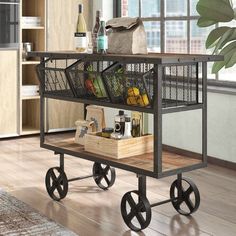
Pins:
x: 130, y: 84
x: 180, y: 85
x: 86, y: 80
x: 53, y: 79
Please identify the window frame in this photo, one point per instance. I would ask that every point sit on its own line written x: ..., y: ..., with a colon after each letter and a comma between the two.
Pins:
x: 216, y: 83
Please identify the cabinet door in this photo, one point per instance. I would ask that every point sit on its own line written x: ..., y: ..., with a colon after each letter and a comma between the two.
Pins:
x: 8, y: 93
x: 62, y: 17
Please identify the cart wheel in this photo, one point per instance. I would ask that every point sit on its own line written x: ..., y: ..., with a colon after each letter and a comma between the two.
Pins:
x: 189, y: 201
x: 136, y: 211
x: 103, y: 175
x: 56, y: 183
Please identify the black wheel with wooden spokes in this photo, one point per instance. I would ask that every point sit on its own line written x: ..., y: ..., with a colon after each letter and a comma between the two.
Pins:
x: 56, y: 183
x: 185, y: 196
x: 136, y: 211
x: 104, y: 175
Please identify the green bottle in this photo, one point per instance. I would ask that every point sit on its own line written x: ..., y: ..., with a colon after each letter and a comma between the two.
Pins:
x: 102, y: 43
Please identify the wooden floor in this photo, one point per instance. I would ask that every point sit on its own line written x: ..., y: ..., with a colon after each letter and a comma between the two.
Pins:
x: 88, y: 210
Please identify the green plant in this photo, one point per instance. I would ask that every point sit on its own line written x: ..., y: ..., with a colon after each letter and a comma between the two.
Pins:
x: 222, y: 39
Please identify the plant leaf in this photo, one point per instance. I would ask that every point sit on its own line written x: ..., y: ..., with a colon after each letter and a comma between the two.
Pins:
x: 227, y: 53
x: 215, y: 10
x: 218, y: 65
x: 228, y: 36
x: 204, y: 22
x: 215, y: 35
x: 232, y: 60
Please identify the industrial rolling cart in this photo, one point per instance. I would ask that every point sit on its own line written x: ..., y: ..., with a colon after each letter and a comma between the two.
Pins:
x: 172, y: 83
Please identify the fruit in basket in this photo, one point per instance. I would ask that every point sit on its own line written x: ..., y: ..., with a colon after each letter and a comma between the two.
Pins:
x: 132, y: 100
x: 143, y: 100
x: 100, y: 91
x: 133, y: 91
x: 89, y: 86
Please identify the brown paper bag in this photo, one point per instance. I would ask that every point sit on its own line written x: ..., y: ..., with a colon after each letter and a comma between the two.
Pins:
x: 96, y: 114
x: 83, y: 127
x: 126, y: 36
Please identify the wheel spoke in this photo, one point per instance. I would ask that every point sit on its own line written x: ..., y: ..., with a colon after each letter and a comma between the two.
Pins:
x: 60, y: 179
x: 188, y: 192
x: 60, y: 191
x: 99, y: 179
x: 189, y: 204
x: 52, y: 189
x: 107, y: 180
x: 140, y: 219
x: 131, y: 202
x: 53, y: 176
x: 105, y: 170
x: 130, y: 216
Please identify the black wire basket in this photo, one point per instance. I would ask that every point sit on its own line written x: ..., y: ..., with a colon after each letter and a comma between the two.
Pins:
x: 53, y: 79
x: 85, y: 78
x: 130, y: 84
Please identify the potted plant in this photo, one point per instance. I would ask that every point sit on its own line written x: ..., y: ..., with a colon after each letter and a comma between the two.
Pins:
x: 222, y: 39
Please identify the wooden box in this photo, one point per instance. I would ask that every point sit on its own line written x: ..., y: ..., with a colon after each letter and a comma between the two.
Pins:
x: 118, y: 148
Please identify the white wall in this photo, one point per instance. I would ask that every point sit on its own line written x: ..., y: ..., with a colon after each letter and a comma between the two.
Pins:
x: 183, y: 129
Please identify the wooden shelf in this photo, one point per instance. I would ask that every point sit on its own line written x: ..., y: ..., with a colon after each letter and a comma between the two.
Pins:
x: 30, y: 97
x: 170, y: 161
x: 30, y: 62
x: 26, y: 130
x: 33, y: 28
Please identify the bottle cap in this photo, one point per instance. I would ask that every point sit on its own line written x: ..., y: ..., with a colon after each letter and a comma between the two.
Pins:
x: 121, y: 113
x: 98, y: 13
x: 80, y: 8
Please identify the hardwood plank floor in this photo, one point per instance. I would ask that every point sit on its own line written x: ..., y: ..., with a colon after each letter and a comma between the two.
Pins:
x: 87, y: 210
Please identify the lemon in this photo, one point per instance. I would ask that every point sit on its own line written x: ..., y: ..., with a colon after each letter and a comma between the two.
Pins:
x: 143, y: 100
x: 133, y: 91
x: 132, y: 100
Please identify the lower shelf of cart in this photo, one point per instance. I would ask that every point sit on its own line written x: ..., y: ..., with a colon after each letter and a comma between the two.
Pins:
x: 172, y: 163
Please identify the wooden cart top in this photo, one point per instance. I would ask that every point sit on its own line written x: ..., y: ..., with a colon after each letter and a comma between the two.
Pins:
x: 159, y: 58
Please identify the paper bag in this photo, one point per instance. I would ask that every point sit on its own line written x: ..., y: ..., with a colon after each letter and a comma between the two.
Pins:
x: 96, y: 114
x: 126, y: 36
x: 83, y: 127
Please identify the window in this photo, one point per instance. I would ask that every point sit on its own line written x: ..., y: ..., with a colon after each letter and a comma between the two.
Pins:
x: 171, y: 26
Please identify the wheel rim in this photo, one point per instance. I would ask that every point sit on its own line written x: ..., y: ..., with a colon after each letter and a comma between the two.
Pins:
x: 56, y: 183
x: 187, y: 199
x: 135, y: 210
x: 103, y: 175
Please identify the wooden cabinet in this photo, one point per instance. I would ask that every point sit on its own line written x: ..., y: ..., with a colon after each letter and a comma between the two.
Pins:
x: 35, y: 34
x: 62, y: 16
x: 8, y: 93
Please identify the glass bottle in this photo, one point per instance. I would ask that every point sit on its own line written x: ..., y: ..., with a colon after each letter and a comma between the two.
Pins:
x: 95, y: 31
x: 81, y: 32
x: 102, y: 43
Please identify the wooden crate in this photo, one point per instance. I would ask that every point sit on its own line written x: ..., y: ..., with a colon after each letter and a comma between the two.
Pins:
x: 118, y: 149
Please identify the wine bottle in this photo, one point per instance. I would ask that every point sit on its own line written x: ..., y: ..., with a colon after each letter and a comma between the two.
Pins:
x: 95, y: 31
x: 81, y: 30
x: 102, y: 43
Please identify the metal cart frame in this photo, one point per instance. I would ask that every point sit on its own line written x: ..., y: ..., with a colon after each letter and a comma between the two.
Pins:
x: 159, y: 61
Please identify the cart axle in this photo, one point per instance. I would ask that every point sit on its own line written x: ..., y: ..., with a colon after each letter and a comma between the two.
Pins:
x: 163, y: 202
x: 81, y: 178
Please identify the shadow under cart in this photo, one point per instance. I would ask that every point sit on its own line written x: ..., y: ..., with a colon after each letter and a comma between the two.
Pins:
x: 169, y: 84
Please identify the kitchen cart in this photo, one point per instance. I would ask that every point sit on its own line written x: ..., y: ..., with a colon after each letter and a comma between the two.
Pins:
x: 171, y: 83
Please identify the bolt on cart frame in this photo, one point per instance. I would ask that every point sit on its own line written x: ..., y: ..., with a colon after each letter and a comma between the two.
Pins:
x: 172, y: 84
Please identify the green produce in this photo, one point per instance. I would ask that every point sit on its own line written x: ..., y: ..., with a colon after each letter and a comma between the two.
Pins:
x: 96, y: 80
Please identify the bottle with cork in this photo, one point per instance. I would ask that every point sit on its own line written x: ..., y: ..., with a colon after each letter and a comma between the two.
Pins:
x: 81, y: 32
